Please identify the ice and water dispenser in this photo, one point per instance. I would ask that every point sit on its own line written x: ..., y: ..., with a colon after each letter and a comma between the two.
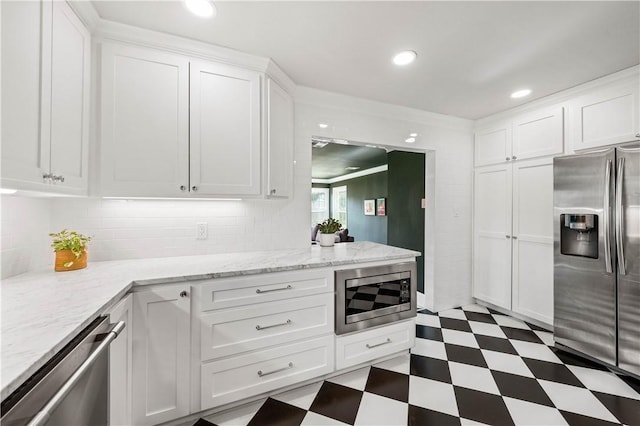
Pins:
x: 579, y: 235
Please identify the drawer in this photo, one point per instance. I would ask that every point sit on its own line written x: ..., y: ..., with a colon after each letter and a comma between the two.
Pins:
x: 231, y: 331
x: 364, y: 346
x: 256, y: 372
x: 238, y: 291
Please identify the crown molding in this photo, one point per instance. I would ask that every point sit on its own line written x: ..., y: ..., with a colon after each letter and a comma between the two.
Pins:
x: 366, y: 172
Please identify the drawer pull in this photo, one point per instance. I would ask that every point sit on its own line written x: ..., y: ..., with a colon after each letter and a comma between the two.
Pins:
x: 261, y: 374
x: 274, y: 325
x: 274, y: 289
x: 379, y: 344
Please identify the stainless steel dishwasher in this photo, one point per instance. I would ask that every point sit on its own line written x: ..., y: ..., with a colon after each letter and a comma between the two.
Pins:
x: 72, y: 388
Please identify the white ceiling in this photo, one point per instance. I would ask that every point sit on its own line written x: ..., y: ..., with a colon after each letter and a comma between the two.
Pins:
x: 471, y: 55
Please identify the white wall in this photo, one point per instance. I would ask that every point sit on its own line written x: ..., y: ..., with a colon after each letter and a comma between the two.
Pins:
x: 449, y: 142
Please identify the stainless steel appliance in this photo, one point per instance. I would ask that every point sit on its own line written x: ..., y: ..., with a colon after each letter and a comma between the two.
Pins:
x: 597, y: 255
x: 367, y: 297
x: 72, y: 388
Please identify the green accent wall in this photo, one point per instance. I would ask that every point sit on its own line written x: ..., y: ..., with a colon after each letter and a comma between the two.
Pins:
x: 405, y: 223
x: 361, y: 227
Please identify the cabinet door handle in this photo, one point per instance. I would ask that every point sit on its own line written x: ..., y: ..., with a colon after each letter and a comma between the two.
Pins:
x: 386, y: 342
x: 194, y: 188
x: 274, y: 289
x: 272, y: 192
x: 507, y: 236
x: 287, y: 322
x: 507, y: 158
x: 514, y: 237
x: 514, y: 157
x: 262, y: 374
x: 638, y: 135
x: 184, y: 293
x: 183, y: 188
x: 47, y: 177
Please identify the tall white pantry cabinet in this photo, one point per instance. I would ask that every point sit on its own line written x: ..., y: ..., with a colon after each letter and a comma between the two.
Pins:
x: 513, y: 186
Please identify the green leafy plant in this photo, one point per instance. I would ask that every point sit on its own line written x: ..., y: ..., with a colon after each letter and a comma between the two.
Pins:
x: 69, y: 240
x: 329, y: 226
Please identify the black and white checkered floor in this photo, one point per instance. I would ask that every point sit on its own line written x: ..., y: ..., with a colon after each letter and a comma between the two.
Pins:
x: 469, y: 366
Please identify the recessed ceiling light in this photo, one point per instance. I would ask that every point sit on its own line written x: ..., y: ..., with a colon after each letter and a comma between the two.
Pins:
x: 405, y: 57
x: 201, y: 8
x: 413, y: 135
x: 410, y: 140
x: 323, y: 125
x: 521, y: 93
x: 352, y: 168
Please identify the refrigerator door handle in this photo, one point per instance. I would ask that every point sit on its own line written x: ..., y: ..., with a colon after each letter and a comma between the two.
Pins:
x: 619, y: 217
x: 606, y: 219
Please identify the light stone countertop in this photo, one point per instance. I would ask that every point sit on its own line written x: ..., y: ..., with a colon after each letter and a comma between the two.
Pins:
x: 43, y: 310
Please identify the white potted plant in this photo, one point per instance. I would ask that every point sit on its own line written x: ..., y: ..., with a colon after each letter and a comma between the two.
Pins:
x: 328, y: 230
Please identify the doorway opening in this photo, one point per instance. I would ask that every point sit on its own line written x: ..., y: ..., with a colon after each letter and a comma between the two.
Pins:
x: 376, y: 192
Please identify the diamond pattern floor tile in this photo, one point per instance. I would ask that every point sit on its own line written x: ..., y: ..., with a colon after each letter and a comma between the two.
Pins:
x: 469, y: 366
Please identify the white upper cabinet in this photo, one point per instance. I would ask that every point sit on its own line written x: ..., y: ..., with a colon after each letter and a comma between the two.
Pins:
x: 493, y: 145
x: 538, y: 134
x: 280, y: 112
x: 45, y: 97
x: 144, y: 141
x: 172, y: 126
x: 225, y: 130
x: 607, y: 116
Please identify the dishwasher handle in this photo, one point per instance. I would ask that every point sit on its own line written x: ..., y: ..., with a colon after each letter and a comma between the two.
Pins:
x: 44, y: 414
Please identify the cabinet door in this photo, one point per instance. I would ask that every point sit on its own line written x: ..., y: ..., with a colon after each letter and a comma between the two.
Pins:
x: 225, y: 130
x: 492, y: 235
x: 161, y: 346
x: 120, y: 365
x: 26, y: 49
x: 538, y: 134
x: 533, y: 239
x: 493, y: 145
x: 606, y: 117
x: 144, y: 142
x: 279, y: 140
x: 70, y: 58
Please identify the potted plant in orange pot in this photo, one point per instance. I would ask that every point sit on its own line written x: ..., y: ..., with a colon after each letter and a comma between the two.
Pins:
x: 71, y: 250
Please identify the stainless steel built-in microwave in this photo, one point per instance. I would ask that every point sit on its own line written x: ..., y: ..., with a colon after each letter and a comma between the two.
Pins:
x: 367, y: 297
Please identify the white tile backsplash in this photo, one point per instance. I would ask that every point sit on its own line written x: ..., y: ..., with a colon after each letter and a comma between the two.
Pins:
x: 24, y: 236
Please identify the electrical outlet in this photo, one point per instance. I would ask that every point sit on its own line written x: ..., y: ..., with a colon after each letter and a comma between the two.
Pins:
x: 202, y: 231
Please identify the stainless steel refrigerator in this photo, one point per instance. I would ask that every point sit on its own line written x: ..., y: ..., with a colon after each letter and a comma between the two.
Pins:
x: 597, y: 255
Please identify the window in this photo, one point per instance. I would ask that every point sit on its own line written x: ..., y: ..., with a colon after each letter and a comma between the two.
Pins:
x: 319, y: 205
x: 339, y: 212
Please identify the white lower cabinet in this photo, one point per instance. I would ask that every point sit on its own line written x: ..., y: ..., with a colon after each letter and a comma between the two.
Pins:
x: 120, y: 355
x: 253, y: 327
x: 235, y: 378
x: 161, y: 345
x: 513, y: 237
x: 357, y: 348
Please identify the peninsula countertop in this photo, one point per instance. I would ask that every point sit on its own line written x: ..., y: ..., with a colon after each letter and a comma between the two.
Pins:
x: 43, y: 310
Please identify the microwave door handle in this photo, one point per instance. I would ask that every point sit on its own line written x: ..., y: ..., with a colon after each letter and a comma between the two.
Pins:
x: 607, y: 209
x: 619, y: 217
